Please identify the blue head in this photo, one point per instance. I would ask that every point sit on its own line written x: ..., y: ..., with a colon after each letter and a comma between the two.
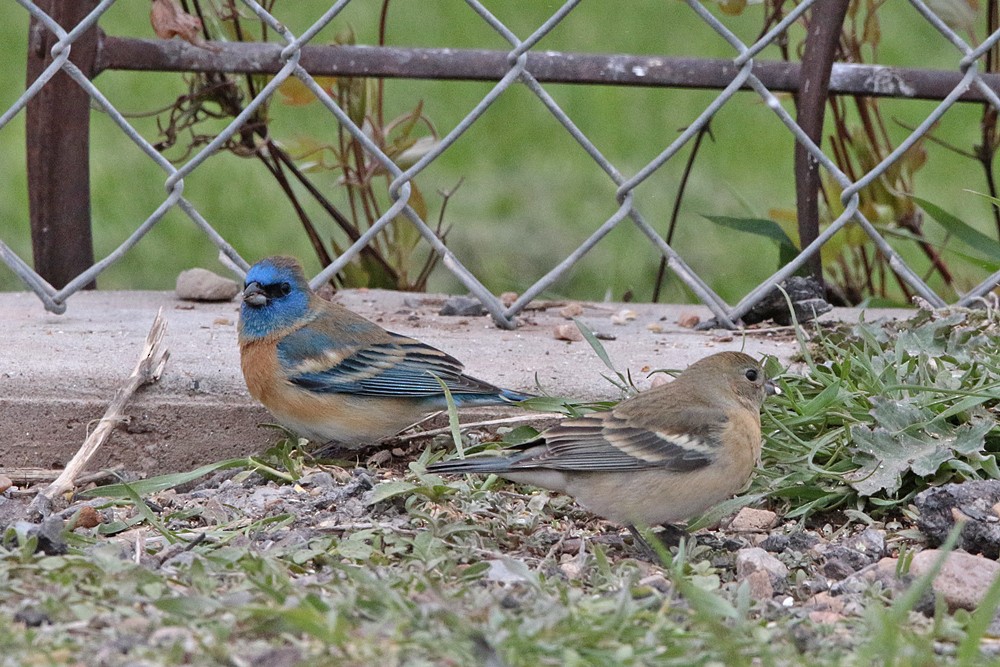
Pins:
x: 275, y: 296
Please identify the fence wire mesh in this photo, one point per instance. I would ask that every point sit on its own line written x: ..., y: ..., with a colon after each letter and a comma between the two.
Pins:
x: 745, y: 74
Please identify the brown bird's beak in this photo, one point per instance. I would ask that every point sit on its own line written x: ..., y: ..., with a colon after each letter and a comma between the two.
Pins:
x: 253, y: 295
x: 772, y: 389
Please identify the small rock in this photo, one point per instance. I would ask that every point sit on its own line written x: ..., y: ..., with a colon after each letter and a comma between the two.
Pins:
x: 32, y: 618
x: 88, y: 517
x: 657, y: 582
x: 825, y: 608
x: 759, y: 585
x: 974, y: 501
x: 659, y: 379
x: 884, y: 572
x: 805, y: 293
x: 753, y: 520
x: 320, y: 478
x: 775, y: 543
x: 501, y: 573
x: 837, y: 569
x: 825, y: 617
x: 655, y: 327
x: 508, y: 299
x: 801, y: 541
x: 623, y: 316
x: 571, y: 310
x: 753, y: 562
x: 49, y: 534
x: 963, y: 578
x: 567, y: 332
x: 870, y: 542
x: 851, y: 558
x: 688, y: 320
x: 203, y: 285
x: 5, y: 483
x: 571, y: 568
x: 381, y: 457
x: 462, y: 306
x: 278, y: 656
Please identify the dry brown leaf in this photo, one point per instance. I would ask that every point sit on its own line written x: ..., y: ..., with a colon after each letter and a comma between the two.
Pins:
x: 169, y: 21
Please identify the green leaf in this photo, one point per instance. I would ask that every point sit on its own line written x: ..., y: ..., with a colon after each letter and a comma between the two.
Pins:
x: 980, y: 243
x: 521, y: 435
x: 387, y: 490
x: 768, y: 229
x: 154, y: 484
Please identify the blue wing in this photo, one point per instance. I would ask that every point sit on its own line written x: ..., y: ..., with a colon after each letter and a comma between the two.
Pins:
x: 398, y: 366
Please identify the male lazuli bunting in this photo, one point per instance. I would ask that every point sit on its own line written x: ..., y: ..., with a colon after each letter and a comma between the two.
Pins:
x: 662, y: 456
x: 335, y: 377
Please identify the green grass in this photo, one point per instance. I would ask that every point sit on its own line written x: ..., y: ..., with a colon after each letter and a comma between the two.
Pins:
x: 527, y: 184
x: 421, y: 570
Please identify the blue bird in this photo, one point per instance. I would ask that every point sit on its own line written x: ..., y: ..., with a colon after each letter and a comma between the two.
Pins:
x: 333, y: 376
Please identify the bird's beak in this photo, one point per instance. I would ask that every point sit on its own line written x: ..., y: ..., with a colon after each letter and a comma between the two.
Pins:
x: 772, y: 389
x: 253, y: 295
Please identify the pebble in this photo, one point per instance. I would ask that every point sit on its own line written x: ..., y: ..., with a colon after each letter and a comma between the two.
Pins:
x: 688, y: 320
x: 202, y: 285
x: 870, y: 543
x: 571, y: 310
x: 775, y: 543
x: 462, y: 306
x: 657, y: 582
x: 501, y: 573
x: 568, y: 332
x: 763, y: 573
x: 974, y: 502
x: 753, y: 520
x: 963, y: 578
x: 623, y: 316
x: 320, y: 478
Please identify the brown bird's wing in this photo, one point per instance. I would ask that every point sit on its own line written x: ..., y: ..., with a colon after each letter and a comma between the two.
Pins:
x: 610, y: 441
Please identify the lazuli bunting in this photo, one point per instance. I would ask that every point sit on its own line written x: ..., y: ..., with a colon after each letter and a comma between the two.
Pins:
x: 335, y: 377
x: 662, y: 456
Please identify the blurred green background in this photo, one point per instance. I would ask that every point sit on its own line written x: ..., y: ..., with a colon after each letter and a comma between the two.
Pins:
x: 530, y: 194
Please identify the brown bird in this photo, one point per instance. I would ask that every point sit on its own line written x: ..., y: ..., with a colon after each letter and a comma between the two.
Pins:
x: 662, y: 456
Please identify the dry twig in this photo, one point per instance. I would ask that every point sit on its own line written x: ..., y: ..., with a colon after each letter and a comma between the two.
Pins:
x: 148, y: 369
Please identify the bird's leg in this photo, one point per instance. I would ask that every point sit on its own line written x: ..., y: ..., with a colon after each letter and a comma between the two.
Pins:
x: 671, y: 535
x: 643, y: 545
x: 330, y: 449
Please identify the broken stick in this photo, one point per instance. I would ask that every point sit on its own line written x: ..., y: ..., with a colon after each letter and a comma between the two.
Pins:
x: 148, y: 369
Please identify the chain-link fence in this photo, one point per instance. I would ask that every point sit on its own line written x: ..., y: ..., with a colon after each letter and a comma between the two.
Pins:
x: 522, y: 65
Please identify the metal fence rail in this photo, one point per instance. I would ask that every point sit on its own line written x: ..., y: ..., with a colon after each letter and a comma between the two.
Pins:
x: 520, y: 66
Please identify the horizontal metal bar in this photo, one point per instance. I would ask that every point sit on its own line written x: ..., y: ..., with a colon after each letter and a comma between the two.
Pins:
x: 119, y: 53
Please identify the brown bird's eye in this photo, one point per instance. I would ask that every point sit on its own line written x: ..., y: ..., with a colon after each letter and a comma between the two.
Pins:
x: 751, y: 374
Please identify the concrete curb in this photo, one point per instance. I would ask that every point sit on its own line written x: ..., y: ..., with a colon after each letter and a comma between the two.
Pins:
x: 58, y: 372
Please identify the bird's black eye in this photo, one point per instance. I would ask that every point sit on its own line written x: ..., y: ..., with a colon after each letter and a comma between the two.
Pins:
x: 751, y: 374
x: 286, y: 288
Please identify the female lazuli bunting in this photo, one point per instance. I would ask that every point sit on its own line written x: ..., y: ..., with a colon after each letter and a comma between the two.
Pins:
x: 662, y: 456
x: 335, y: 377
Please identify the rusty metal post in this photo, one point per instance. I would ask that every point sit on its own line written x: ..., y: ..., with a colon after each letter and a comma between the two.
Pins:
x: 58, y: 144
x: 825, y: 24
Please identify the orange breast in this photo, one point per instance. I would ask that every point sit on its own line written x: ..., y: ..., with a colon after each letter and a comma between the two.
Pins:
x: 259, y: 361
